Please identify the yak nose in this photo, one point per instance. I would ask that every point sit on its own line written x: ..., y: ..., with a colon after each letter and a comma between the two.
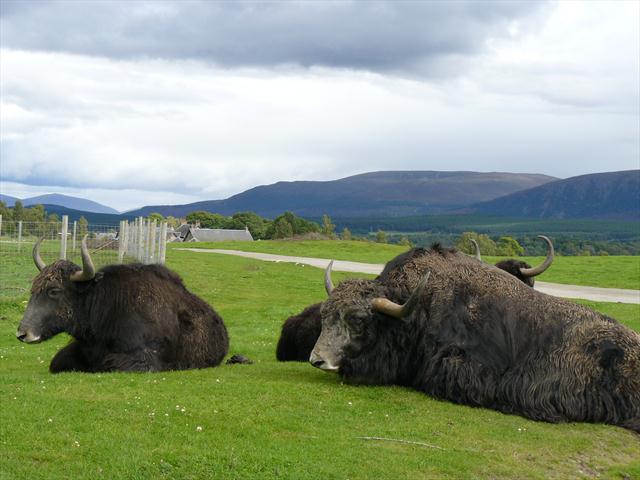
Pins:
x: 21, y: 335
x: 317, y: 363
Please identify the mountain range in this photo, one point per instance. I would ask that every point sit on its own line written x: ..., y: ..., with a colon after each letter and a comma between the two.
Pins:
x: 610, y: 195
x: 381, y: 194
x: 74, y: 203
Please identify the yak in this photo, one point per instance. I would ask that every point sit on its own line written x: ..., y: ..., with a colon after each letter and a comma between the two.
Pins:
x: 466, y: 332
x: 300, y: 332
x: 122, y: 318
x: 520, y: 269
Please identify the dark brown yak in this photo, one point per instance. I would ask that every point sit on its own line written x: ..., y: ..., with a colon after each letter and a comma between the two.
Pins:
x: 123, y: 317
x: 519, y: 269
x: 300, y: 332
x: 467, y: 332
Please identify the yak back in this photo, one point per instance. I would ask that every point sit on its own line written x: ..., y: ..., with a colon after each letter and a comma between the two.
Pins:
x: 299, y: 335
x: 134, y: 306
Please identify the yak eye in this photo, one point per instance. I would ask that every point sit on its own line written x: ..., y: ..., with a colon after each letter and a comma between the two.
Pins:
x: 54, y: 292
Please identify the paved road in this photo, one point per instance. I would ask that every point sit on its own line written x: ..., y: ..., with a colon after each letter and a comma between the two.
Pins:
x: 556, y: 289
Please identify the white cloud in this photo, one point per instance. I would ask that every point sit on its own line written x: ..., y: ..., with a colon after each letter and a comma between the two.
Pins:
x: 559, y: 97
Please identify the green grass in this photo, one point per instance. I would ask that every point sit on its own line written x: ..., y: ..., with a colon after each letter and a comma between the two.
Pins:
x: 270, y: 419
x: 366, y: 252
x: 611, y: 272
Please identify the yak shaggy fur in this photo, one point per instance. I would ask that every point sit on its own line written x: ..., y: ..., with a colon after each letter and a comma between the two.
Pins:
x: 299, y: 335
x: 132, y: 318
x: 480, y: 337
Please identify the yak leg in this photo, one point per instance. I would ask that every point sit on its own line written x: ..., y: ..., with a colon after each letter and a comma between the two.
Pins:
x: 70, y: 359
x: 143, y: 360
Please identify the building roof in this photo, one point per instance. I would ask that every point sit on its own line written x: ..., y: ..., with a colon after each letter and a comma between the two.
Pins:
x: 216, y: 235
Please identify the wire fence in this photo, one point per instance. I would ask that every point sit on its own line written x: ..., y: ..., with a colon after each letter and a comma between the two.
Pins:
x: 137, y: 241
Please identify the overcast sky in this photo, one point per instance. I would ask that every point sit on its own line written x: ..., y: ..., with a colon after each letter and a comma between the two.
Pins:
x: 165, y: 102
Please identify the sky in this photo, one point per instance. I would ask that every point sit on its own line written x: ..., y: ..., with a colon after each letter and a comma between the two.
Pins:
x: 169, y: 102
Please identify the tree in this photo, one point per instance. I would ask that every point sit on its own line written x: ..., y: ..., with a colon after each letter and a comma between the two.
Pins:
x: 5, y: 212
x: 18, y: 211
x: 346, y: 234
x: 328, y: 228
x: 487, y: 246
x: 282, y: 228
x: 381, y: 237
x: 207, y: 220
x: 405, y: 242
x: 254, y: 222
x: 155, y: 216
x: 509, y: 247
x: 299, y: 226
x: 172, y: 222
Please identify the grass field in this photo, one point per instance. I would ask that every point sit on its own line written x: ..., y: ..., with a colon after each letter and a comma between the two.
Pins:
x: 269, y: 419
x: 611, y: 272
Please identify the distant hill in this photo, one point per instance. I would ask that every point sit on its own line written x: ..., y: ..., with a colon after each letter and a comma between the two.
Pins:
x: 610, y: 195
x: 8, y: 199
x: 92, y: 217
x: 74, y: 203
x: 369, y: 194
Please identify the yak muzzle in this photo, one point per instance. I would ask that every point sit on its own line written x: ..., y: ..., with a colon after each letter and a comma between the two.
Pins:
x: 319, y: 362
x: 27, y: 337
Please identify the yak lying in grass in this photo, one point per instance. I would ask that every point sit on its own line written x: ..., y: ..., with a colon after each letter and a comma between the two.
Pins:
x: 522, y: 270
x: 123, y: 317
x: 465, y: 331
x: 300, y: 332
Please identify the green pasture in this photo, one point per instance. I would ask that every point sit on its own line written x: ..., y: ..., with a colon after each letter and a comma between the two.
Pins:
x: 611, y: 272
x: 270, y: 419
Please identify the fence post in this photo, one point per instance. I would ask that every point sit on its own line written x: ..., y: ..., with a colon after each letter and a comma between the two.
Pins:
x: 63, y: 237
x: 73, y: 238
x: 19, y: 234
x: 151, y: 243
x: 121, y: 242
x: 163, y: 244
x: 140, y: 239
x: 147, y: 244
x: 125, y: 239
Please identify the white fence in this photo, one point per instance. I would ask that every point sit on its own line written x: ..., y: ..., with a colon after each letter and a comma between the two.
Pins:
x: 137, y: 241
x: 144, y: 240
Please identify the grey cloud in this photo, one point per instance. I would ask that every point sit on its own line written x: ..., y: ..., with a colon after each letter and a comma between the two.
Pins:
x: 374, y: 35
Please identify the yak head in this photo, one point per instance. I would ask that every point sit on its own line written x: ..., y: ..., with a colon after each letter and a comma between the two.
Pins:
x: 522, y: 270
x: 355, y: 318
x: 53, y: 294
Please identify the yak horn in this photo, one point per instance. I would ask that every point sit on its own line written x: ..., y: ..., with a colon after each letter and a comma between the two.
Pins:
x: 532, y: 272
x: 37, y: 259
x: 88, y: 270
x: 328, y: 284
x: 477, y: 247
x: 386, y: 306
